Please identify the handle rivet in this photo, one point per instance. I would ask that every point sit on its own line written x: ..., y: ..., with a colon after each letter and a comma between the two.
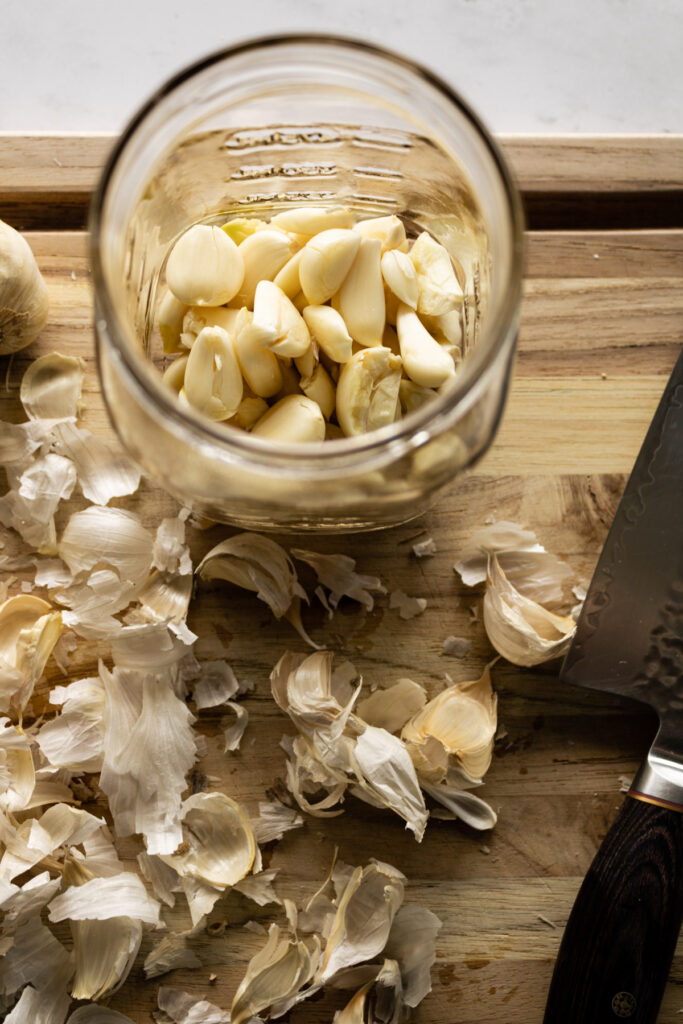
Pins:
x: 623, y: 1004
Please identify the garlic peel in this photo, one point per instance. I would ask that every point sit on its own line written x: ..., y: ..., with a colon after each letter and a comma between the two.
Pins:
x: 463, y: 720
x: 338, y: 574
x: 520, y: 629
x: 220, y: 844
x: 51, y: 387
x: 535, y: 572
x: 256, y: 563
x: 100, y: 899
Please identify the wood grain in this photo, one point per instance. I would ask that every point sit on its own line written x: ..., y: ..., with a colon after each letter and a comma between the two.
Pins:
x: 575, y: 181
x: 597, y: 341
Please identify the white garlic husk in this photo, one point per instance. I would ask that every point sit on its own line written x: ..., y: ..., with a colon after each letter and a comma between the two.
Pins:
x: 523, y: 631
x: 23, y: 293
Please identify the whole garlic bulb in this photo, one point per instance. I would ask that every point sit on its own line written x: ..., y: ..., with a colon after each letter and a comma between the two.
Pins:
x: 23, y: 292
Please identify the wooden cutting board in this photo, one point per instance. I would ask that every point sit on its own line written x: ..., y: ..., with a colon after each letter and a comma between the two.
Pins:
x: 601, y: 328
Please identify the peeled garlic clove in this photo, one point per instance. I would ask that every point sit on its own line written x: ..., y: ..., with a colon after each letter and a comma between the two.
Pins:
x: 447, y: 327
x: 367, y: 391
x: 329, y: 330
x: 23, y: 292
x: 325, y: 262
x: 294, y: 419
x: 399, y: 273
x: 240, y: 228
x: 439, y: 290
x: 174, y: 375
x: 361, y: 297
x: 412, y: 396
x: 424, y: 361
x: 521, y: 630
x: 205, y: 267
x: 389, y: 230
x: 213, y: 371
x: 170, y: 321
x: 283, y: 327
x: 264, y: 254
x: 260, y: 367
x: 307, y: 362
x: 198, y: 317
x: 320, y: 389
x: 250, y: 410
x: 310, y: 220
x: 288, y: 278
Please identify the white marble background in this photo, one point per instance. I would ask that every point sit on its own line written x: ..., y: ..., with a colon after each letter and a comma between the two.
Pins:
x: 548, y: 66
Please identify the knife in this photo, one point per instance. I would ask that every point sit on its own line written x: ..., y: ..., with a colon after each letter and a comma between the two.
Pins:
x: 619, y: 941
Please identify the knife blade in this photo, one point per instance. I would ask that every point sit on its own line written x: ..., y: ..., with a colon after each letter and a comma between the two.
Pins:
x: 619, y: 941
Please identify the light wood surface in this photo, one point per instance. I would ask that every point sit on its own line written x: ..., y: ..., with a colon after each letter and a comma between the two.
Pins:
x: 598, y: 339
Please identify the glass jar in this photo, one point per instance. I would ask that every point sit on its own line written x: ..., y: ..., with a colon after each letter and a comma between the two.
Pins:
x: 257, y: 129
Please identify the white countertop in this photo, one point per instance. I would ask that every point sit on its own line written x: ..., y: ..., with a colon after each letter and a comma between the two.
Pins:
x: 549, y: 66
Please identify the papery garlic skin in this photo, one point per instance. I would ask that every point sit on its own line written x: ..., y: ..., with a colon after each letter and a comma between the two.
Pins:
x: 23, y: 293
x: 521, y: 630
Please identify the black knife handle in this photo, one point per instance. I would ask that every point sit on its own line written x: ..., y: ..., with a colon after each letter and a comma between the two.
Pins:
x: 620, y: 937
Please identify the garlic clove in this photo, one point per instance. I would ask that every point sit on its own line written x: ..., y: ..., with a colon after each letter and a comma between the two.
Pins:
x: 240, y: 228
x: 445, y: 328
x: 413, y: 396
x: 250, y: 409
x: 174, y: 374
x: 170, y: 321
x: 213, y: 372
x: 205, y: 267
x: 325, y: 262
x: 389, y: 230
x: 260, y: 367
x: 264, y: 254
x: 288, y: 278
x: 439, y: 290
x: 361, y: 297
x: 319, y: 388
x: 367, y: 391
x: 310, y: 220
x: 424, y: 361
x: 274, y: 312
x: 23, y: 293
x: 399, y: 274
x: 198, y: 317
x: 329, y: 330
x: 295, y: 419
x: 306, y: 363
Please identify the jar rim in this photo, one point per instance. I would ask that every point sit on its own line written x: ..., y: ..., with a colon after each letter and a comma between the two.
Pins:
x: 331, y: 453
